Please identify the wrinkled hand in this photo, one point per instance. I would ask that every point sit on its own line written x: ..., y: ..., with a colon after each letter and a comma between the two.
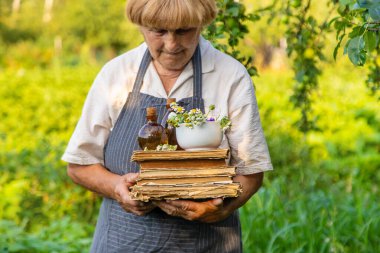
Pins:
x: 207, y: 211
x: 121, y: 193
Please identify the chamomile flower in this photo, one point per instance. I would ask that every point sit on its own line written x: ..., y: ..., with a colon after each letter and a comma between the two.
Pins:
x: 172, y: 115
x: 194, y: 117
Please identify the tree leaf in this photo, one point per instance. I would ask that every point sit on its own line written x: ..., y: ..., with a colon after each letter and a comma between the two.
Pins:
x: 373, y: 7
x: 355, y: 7
x: 374, y: 12
x: 344, y: 2
x: 234, y: 11
x: 355, y: 50
x: 357, y: 31
x: 338, y: 45
x: 370, y: 41
x: 340, y: 25
x: 365, y: 3
x: 333, y: 21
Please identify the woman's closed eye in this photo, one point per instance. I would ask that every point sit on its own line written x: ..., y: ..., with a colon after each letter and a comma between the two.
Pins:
x: 158, y: 31
x: 181, y: 31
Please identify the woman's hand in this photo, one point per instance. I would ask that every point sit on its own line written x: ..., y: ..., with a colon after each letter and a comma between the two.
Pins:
x: 97, y: 178
x: 216, y: 209
x: 121, y: 195
x: 207, y: 211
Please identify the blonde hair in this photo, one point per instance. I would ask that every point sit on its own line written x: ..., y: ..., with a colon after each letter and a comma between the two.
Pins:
x: 171, y: 14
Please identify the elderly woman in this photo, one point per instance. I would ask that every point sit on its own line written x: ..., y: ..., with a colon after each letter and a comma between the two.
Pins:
x: 175, y: 61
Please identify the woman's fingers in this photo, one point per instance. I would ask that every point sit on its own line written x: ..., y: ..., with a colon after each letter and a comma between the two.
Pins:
x: 188, y: 205
x: 137, y: 207
x: 130, y: 178
x: 183, y: 211
x: 124, y: 199
x: 192, y: 210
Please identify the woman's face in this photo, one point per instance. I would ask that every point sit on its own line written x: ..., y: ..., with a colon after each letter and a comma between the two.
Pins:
x: 171, y: 49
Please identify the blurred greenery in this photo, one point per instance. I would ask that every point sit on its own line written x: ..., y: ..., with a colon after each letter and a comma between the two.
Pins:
x: 323, y: 195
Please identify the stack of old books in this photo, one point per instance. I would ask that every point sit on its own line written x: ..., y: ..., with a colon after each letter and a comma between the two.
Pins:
x: 183, y: 175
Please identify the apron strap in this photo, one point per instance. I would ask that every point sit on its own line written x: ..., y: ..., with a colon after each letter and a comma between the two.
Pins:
x: 197, y: 74
x: 147, y: 58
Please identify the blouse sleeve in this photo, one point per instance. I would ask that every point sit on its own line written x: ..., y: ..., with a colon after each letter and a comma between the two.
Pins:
x: 91, y: 133
x: 249, y: 150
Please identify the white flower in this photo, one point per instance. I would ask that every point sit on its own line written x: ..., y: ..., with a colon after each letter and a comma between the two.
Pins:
x: 172, y: 115
x: 194, y: 117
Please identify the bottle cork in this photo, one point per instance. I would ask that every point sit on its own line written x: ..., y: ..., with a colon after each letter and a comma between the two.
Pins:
x: 169, y: 101
x: 151, y: 111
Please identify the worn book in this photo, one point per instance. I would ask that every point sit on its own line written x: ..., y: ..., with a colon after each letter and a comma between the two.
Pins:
x: 188, y: 172
x: 185, y: 181
x: 184, y: 175
x: 139, y: 155
x: 146, y: 193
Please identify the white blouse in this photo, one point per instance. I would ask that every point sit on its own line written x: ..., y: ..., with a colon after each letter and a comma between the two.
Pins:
x: 226, y: 84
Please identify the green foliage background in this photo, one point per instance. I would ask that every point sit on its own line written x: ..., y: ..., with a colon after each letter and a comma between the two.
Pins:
x: 323, y: 195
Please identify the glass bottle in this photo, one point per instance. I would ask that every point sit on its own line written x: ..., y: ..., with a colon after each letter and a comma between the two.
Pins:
x: 152, y: 133
x: 170, y: 130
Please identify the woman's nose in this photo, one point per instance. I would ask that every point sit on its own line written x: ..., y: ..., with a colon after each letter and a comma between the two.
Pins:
x: 171, y: 42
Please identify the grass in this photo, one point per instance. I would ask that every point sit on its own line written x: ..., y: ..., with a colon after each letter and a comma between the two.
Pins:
x: 323, y: 195
x: 286, y: 218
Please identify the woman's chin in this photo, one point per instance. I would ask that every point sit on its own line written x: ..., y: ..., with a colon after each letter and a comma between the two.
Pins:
x: 173, y: 64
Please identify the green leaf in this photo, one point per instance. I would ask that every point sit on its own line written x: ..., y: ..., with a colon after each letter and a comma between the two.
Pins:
x: 234, y: 11
x: 300, y: 75
x: 355, y: 50
x: 357, y: 31
x: 368, y: 3
x: 338, y: 45
x: 345, y: 2
x: 370, y: 41
x: 333, y: 21
x: 340, y: 25
x: 373, y: 7
x: 252, y: 71
x: 253, y: 17
x: 365, y: 3
x: 374, y: 12
x: 355, y: 7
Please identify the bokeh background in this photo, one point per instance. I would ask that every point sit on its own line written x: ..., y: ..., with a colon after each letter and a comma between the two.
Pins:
x: 323, y: 195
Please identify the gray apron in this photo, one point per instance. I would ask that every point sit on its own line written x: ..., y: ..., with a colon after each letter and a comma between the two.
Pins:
x: 120, y: 231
